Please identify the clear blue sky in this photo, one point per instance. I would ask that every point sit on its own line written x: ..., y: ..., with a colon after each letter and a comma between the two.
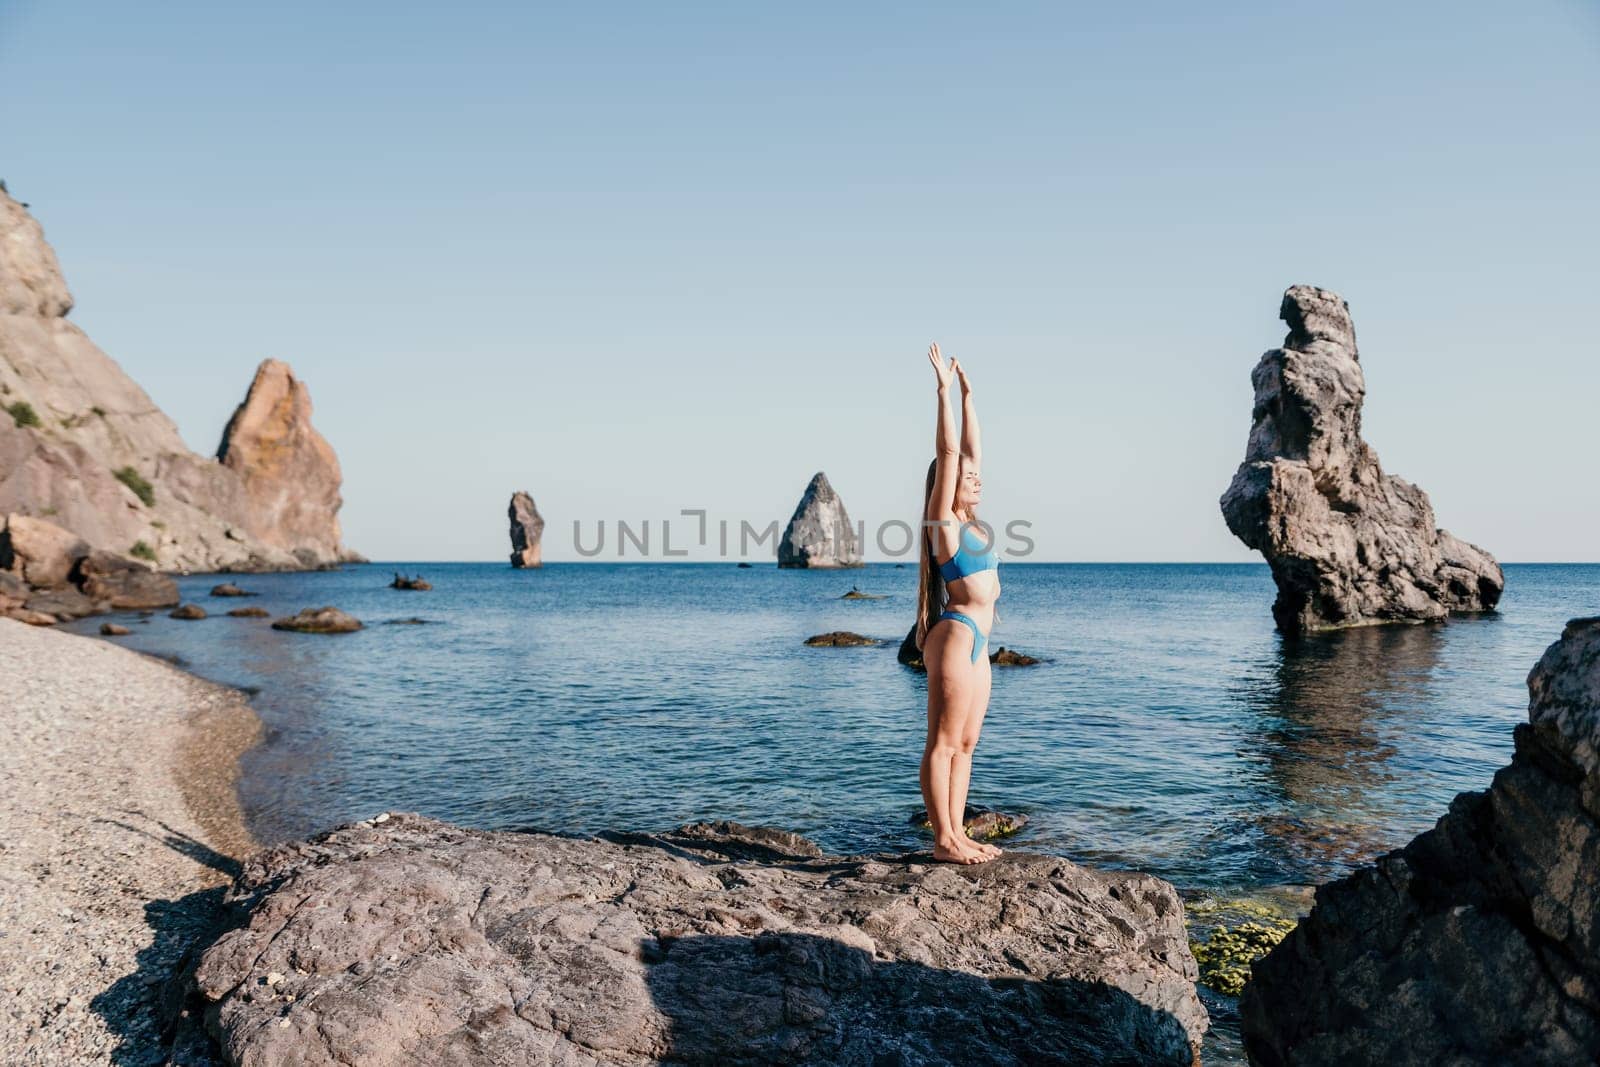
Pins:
x: 638, y: 258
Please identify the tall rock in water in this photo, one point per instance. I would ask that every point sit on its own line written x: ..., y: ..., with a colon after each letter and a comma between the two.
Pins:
x: 1347, y: 543
x: 819, y: 533
x: 1477, y: 943
x: 527, y: 527
x: 289, y: 473
x: 82, y: 445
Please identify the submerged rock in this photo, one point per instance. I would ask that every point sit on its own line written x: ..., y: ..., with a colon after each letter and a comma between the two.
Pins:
x: 249, y: 613
x: 980, y: 823
x: 1347, y: 543
x: 407, y: 940
x: 229, y: 589
x: 1477, y: 943
x: 856, y: 594
x: 819, y: 533
x: 841, y: 639
x: 527, y: 530
x: 327, y: 620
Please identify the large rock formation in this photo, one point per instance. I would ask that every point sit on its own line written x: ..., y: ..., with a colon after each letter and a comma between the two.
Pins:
x: 406, y: 940
x: 82, y: 445
x: 1479, y: 942
x: 527, y: 528
x: 819, y: 533
x: 48, y: 571
x: 1347, y: 543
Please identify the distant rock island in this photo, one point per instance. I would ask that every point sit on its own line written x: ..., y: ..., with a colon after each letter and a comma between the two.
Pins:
x: 1348, y: 544
x: 1477, y: 943
x: 82, y: 446
x: 527, y: 529
x: 819, y: 533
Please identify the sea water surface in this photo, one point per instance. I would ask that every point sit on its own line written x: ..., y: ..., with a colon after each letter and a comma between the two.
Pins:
x: 1169, y: 729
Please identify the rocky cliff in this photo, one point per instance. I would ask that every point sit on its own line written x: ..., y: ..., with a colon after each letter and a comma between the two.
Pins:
x: 1479, y: 942
x: 527, y: 529
x: 1347, y: 543
x: 405, y: 940
x: 84, y: 447
x: 819, y: 533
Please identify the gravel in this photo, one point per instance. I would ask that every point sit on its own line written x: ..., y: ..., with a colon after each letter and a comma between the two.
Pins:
x: 119, y: 830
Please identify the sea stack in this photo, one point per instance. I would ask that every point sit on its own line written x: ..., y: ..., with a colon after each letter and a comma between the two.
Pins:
x: 1348, y: 544
x: 1477, y: 943
x: 82, y: 445
x: 819, y: 533
x: 527, y: 527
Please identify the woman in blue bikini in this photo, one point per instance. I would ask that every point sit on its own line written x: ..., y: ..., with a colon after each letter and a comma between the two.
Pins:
x: 955, y: 609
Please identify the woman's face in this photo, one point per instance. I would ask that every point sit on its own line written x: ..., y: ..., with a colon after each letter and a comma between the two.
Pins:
x: 969, y: 485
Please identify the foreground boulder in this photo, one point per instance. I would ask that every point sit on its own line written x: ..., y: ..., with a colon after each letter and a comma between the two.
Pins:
x: 82, y: 444
x: 406, y: 940
x: 527, y: 528
x: 1347, y: 543
x: 1479, y: 942
x: 819, y: 533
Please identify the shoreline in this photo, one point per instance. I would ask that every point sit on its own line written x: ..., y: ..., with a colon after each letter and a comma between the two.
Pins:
x: 119, y: 833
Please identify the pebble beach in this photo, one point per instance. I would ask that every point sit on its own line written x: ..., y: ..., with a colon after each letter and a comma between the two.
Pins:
x: 119, y: 830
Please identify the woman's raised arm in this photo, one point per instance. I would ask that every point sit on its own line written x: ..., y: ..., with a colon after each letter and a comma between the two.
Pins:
x: 941, y: 504
x: 971, y: 438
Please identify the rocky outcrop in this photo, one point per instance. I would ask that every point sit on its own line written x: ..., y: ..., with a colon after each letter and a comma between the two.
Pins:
x: 1479, y: 942
x: 1348, y: 544
x: 51, y: 575
x: 842, y: 639
x: 406, y: 940
x: 325, y: 620
x: 82, y: 445
x: 819, y: 533
x: 527, y: 527
x: 288, y: 472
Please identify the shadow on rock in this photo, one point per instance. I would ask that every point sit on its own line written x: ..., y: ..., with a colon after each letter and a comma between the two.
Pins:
x: 803, y: 999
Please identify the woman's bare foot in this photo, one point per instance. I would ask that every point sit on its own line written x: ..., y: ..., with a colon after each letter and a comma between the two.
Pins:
x: 957, y: 851
x: 989, y: 851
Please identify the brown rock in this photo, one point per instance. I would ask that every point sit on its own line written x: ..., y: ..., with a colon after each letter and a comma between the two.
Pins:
x: 249, y: 613
x: 1006, y: 657
x: 111, y: 629
x: 418, y: 583
x: 229, y: 589
x: 527, y: 528
x: 328, y: 620
x: 841, y: 639
x: 39, y: 552
x: 290, y: 474
x: 187, y: 611
x: 32, y: 618
x: 64, y: 603
x: 124, y: 584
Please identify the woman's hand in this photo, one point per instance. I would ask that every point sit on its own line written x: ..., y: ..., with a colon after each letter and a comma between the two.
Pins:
x: 961, y: 372
x: 944, y: 370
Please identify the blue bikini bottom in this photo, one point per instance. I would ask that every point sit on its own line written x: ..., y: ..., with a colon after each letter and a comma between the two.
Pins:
x: 979, y: 638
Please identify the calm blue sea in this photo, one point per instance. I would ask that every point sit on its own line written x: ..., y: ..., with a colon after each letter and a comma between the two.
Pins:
x: 1171, y: 729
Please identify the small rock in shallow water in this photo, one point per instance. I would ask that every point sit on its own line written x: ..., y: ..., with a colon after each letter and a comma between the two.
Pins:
x: 980, y: 822
x: 229, y: 589
x: 326, y: 620
x: 841, y: 639
x: 249, y: 613
x: 111, y: 629
x: 1006, y: 657
x: 187, y: 611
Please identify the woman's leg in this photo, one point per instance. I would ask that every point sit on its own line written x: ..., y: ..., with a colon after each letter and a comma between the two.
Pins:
x: 950, y: 678
x: 961, y: 767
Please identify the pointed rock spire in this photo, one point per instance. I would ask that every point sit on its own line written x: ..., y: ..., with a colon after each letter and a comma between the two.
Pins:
x: 819, y: 533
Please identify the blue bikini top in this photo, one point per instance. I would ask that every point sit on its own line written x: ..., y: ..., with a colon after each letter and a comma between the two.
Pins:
x: 972, y: 555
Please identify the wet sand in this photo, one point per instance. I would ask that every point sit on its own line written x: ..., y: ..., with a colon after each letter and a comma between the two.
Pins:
x: 119, y: 829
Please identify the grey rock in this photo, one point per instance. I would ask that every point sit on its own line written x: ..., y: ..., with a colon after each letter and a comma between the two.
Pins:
x: 327, y: 620
x: 124, y: 584
x: 1477, y: 943
x: 407, y: 940
x: 41, y: 553
x: 111, y: 629
x: 1348, y: 544
x: 819, y: 533
x: 63, y: 603
x: 191, y: 612
x: 527, y: 527
x: 229, y: 589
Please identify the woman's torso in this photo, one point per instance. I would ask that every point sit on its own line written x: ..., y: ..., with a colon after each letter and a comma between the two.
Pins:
x: 974, y: 593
